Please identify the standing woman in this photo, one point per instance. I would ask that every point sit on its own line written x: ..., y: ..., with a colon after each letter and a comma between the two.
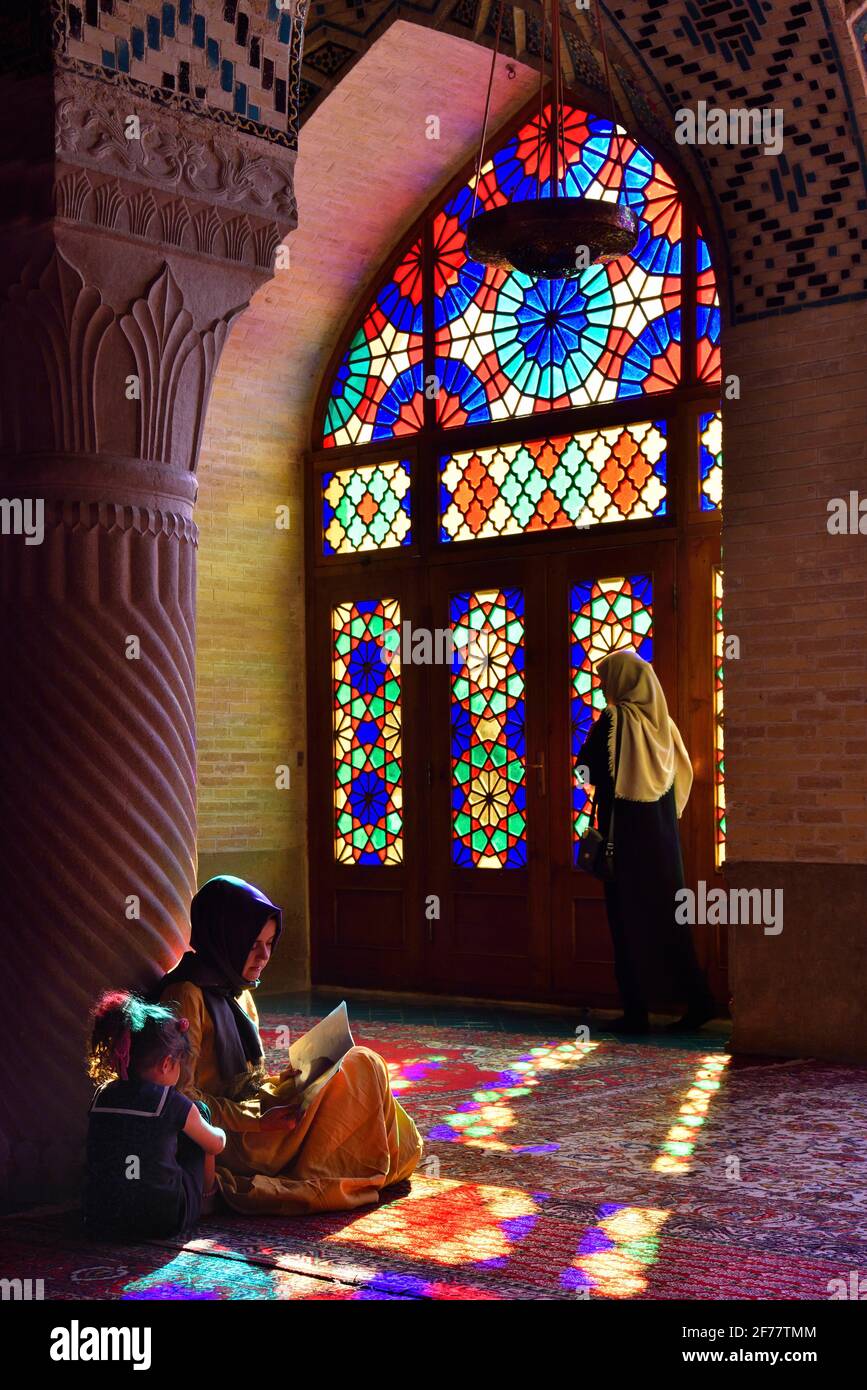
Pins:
x: 654, y: 957
x: 351, y: 1140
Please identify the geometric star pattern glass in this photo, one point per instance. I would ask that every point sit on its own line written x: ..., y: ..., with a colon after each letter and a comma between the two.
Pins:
x: 708, y: 324
x: 377, y: 392
x: 368, y: 796
x: 611, y: 474
x: 366, y: 508
x: 510, y: 345
x: 718, y: 717
x: 488, y: 738
x: 710, y: 460
x: 605, y: 616
x: 504, y: 344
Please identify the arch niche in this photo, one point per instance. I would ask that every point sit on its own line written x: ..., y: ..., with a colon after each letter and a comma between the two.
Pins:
x: 532, y: 468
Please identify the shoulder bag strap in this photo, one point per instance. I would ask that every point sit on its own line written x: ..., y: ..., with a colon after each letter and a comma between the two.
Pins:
x: 619, y: 719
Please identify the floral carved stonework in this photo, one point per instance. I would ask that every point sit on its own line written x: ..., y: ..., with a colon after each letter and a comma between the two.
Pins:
x: 133, y: 235
x: 181, y: 154
x: 207, y: 189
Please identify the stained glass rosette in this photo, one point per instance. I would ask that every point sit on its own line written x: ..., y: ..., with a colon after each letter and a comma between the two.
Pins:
x: 508, y: 345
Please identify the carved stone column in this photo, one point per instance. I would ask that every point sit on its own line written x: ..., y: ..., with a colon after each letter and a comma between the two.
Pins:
x: 117, y: 297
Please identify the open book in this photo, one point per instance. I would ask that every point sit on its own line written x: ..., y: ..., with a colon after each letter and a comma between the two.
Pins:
x: 322, y: 1048
x: 317, y: 1056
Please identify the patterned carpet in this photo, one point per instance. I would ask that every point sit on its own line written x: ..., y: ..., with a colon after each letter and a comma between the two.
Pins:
x: 553, y: 1169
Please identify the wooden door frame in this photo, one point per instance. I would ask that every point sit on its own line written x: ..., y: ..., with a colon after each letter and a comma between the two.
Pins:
x: 469, y: 573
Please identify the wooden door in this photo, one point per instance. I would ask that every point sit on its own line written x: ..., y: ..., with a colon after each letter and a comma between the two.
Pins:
x: 460, y: 910
x: 367, y: 743
x: 596, y: 600
x: 487, y: 757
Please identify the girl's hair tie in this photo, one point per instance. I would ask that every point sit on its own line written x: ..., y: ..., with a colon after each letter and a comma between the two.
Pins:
x: 183, y: 1024
x: 121, y: 1054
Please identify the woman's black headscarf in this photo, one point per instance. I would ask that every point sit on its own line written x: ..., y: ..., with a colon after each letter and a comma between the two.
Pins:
x: 227, y: 915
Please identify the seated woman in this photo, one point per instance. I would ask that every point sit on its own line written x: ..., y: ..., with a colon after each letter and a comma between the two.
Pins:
x: 341, y: 1150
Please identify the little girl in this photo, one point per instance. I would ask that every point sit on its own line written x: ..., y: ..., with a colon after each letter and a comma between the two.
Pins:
x: 150, y: 1150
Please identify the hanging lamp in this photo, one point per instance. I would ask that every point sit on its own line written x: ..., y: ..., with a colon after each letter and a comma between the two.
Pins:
x: 542, y: 236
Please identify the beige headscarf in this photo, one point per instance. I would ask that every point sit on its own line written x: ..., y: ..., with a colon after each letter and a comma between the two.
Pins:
x: 652, y: 752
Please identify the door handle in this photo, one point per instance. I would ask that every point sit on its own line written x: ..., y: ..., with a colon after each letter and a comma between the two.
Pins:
x: 541, y: 781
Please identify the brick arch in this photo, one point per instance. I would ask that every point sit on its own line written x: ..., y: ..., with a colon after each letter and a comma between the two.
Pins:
x: 365, y: 171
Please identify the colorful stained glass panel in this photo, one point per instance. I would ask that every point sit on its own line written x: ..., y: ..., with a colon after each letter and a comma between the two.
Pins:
x: 605, y: 616
x: 366, y: 508
x: 488, y: 738
x: 577, y: 480
x: 378, y: 391
x: 710, y: 460
x: 709, y: 322
x: 718, y: 716
x: 368, y: 795
x: 509, y: 345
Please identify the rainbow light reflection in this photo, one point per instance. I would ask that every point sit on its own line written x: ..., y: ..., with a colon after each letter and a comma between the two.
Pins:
x: 679, y: 1144
x: 616, y: 1254
x: 480, y: 1122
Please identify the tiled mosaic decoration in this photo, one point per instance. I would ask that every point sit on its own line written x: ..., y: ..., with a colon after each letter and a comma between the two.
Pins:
x: 238, y: 60
x: 795, y: 223
x: 806, y: 206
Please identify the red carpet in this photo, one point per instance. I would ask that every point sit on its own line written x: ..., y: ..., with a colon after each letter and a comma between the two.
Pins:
x: 612, y: 1170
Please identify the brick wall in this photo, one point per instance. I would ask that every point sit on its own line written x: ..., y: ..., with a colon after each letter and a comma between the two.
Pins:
x: 796, y: 701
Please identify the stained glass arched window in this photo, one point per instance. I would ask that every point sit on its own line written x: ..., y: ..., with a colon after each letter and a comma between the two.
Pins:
x: 506, y: 345
x: 468, y: 406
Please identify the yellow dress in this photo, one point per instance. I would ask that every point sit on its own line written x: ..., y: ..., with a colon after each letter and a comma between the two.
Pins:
x: 352, y: 1140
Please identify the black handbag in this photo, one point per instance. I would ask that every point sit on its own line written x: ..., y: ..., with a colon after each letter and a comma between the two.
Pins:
x: 595, y: 851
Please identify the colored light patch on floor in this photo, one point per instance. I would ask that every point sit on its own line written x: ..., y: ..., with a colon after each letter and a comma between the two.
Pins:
x: 615, y: 1254
x: 568, y: 1202
x: 454, y: 1224
x: 680, y: 1142
x: 484, y: 1120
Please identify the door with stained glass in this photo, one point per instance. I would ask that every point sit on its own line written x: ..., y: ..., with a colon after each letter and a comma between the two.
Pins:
x: 365, y: 815
x: 487, y: 843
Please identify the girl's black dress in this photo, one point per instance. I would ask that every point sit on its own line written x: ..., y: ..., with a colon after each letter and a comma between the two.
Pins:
x: 144, y: 1175
x: 654, y: 956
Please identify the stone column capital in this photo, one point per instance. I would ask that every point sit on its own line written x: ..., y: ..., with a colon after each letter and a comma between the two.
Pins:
x: 129, y: 247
